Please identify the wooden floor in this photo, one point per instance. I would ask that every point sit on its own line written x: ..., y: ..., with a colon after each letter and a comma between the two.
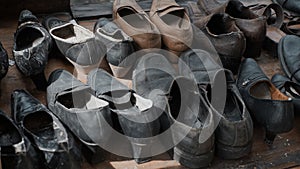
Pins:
x: 285, y: 153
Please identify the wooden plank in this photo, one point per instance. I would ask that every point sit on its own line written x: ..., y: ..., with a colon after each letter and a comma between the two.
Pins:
x: 98, y: 8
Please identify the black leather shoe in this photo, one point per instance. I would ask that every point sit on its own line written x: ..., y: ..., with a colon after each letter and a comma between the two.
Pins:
x: 289, y: 88
x: 188, y: 114
x: 133, y: 111
x: 271, y: 108
x: 118, y: 44
x: 291, y: 5
x: 16, y: 150
x: 76, y: 106
x: 234, y: 134
x: 32, y: 44
x: 3, y: 62
x: 288, y: 53
x: 45, y: 131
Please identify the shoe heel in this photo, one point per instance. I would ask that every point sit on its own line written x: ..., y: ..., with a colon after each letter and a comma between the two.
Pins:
x: 40, y: 81
x: 270, y: 137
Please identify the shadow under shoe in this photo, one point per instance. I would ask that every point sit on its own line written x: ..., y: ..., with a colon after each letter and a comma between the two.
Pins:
x: 16, y: 150
x: 271, y: 108
x: 32, y: 44
x: 76, y: 106
x: 46, y: 132
x: 134, y: 113
x: 118, y: 44
x: 155, y: 78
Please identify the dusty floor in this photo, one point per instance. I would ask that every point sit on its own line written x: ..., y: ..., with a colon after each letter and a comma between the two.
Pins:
x: 285, y: 153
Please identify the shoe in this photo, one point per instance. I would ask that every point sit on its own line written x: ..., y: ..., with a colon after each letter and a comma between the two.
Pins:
x: 133, y: 111
x: 271, y: 108
x: 252, y: 25
x: 131, y: 18
x: 32, y: 44
x: 234, y: 135
x: 226, y: 37
x: 118, y: 44
x: 190, y: 123
x: 289, y: 88
x: 45, y: 131
x: 16, y: 150
x: 77, y: 44
x: 291, y: 5
x: 76, y: 106
x: 288, y: 52
x: 173, y: 23
x: 3, y: 62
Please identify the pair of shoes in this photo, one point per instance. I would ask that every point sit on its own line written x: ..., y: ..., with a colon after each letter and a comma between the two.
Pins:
x: 89, y: 110
x: 234, y: 128
x: 35, y: 138
x: 188, y: 119
x: 32, y: 44
x: 77, y: 44
x: 167, y: 23
x: 271, y: 108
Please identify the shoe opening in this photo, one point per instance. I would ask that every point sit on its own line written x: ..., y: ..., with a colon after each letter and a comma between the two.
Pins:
x: 134, y: 19
x: 237, y: 10
x: 72, y: 33
x: 28, y: 37
x: 177, y: 19
x: 40, y: 124
x: 221, y: 24
x: 81, y: 100
x: 265, y: 90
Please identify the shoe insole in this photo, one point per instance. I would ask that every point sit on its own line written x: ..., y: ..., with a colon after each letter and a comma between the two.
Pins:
x: 27, y: 38
x: 175, y: 19
x: 40, y: 124
x: 81, y: 100
x: 261, y: 90
x: 9, y: 135
x: 233, y: 108
x: 134, y: 19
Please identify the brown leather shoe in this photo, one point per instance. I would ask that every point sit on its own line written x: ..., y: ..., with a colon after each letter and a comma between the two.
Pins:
x: 252, y: 25
x: 173, y: 23
x: 228, y: 40
x: 136, y: 23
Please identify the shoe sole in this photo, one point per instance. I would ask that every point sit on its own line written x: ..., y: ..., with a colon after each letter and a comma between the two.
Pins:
x: 232, y: 153
x: 193, y: 161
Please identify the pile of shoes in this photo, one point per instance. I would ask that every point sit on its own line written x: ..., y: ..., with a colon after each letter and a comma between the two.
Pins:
x: 195, y: 85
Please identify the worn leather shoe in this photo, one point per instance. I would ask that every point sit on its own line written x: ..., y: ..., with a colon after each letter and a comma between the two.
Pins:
x: 16, y: 150
x: 135, y: 22
x: 234, y: 135
x: 289, y: 56
x: 76, y: 106
x: 32, y: 44
x: 191, y: 122
x: 271, y: 108
x: 291, y: 5
x: 289, y: 88
x: 45, y: 131
x: 173, y: 24
x: 118, y: 44
x: 133, y: 111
